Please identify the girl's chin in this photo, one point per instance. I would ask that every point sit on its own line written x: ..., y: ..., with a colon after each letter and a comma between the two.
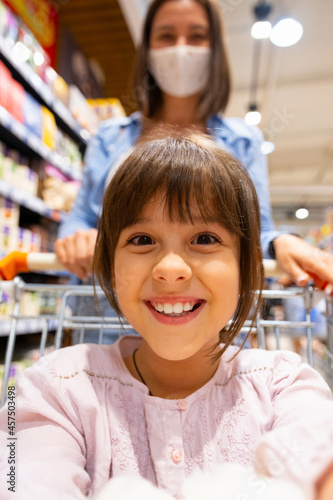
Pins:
x: 180, y: 352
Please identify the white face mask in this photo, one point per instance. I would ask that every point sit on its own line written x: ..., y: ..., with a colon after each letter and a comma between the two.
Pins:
x: 180, y: 70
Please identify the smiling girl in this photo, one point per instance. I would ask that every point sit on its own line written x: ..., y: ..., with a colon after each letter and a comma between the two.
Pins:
x: 178, y: 255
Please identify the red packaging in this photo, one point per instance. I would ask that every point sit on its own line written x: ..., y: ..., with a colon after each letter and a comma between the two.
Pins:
x: 5, y: 84
x: 16, y: 101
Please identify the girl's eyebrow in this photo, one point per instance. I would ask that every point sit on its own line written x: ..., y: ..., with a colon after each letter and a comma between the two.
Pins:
x: 195, y: 220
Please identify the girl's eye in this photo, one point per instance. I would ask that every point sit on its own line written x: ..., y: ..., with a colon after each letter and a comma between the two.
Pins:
x: 142, y: 240
x: 205, y: 239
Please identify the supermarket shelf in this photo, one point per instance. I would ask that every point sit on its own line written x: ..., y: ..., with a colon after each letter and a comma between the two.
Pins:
x: 30, y: 140
x: 25, y: 326
x: 36, y: 84
x: 26, y: 200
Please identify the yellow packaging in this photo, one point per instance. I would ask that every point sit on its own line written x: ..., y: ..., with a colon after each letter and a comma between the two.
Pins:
x: 49, y: 128
x: 60, y: 89
x: 107, y: 108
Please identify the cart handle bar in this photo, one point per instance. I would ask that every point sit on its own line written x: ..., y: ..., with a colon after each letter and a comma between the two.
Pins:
x: 20, y: 262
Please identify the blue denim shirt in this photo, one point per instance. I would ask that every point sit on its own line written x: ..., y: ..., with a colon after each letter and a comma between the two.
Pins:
x: 117, y: 135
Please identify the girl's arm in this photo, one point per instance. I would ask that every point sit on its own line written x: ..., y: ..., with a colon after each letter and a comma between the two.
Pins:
x: 48, y: 450
x: 299, y: 443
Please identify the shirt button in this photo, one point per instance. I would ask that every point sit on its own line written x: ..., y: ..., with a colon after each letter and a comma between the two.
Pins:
x: 182, y: 404
x: 176, y: 456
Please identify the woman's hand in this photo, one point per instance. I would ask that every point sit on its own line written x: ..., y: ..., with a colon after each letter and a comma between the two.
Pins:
x: 302, y: 261
x: 76, y: 252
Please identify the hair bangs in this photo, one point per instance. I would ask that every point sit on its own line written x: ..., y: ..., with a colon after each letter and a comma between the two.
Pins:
x: 187, y: 175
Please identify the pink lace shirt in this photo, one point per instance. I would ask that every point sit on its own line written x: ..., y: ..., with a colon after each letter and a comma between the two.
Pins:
x: 82, y: 418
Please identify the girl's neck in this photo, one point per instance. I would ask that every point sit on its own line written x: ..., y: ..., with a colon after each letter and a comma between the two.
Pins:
x: 171, y: 379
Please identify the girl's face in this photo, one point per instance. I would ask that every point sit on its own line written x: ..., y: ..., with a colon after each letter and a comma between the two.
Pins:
x: 180, y: 22
x: 176, y: 283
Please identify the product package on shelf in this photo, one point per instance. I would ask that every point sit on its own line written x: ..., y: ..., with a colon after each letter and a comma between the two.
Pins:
x: 15, y: 170
x: 81, y: 110
x: 32, y: 115
x: 24, y: 46
x: 14, y: 238
x: 107, y: 108
x: 49, y: 128
x: 58, y: 85
x: 9, y: 213
x: 58, y: 192
x: 68, y: 150
x: 12, y: 94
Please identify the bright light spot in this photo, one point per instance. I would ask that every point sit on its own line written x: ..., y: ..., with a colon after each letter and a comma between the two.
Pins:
x: 51, y: 74
x: 253, y: 118
x: 302, y: 213
x: 261, y: 29
x: 286, y: 32
x: 20, y: 52
x: 267, y: 147
x: 85, y: 134
x: 38, y: 58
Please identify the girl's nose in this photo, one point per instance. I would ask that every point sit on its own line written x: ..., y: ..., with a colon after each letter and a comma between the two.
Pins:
x: 171, y: 269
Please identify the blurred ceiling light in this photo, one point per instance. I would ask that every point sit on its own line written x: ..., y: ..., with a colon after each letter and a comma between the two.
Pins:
x: 286, y: 32
x: 261, y: 29
x: 302, y: 213
x: 253, y: 117
x: 267, y: 147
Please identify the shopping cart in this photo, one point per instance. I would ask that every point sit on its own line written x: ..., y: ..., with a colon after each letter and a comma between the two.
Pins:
x: 62, y: 319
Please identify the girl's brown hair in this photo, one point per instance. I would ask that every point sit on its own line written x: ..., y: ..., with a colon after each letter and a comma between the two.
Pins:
x: 194, y: 175
x: 216, y: 94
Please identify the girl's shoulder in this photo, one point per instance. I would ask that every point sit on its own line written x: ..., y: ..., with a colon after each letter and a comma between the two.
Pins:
x: 268, y: 365
x: 93, y: 360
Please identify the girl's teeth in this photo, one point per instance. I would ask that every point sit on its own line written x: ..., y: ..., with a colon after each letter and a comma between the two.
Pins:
x: 168, y: 309
x: 177, y: 308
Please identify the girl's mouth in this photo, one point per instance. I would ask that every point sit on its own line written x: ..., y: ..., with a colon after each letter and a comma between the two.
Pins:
x: 176, y: 310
